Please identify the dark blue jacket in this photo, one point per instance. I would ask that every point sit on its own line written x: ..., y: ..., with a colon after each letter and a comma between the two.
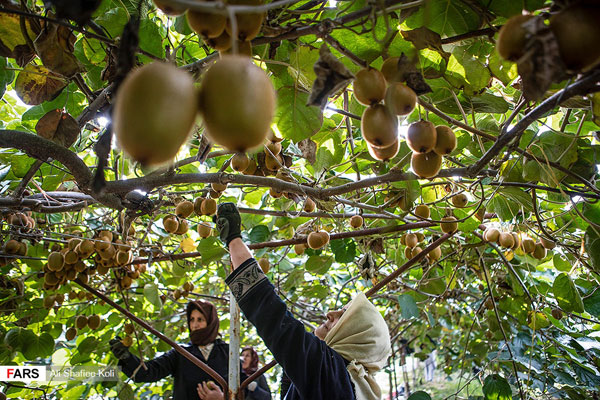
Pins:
x: 262, y: 391
x: 316, y: 370
x: 186, y: 375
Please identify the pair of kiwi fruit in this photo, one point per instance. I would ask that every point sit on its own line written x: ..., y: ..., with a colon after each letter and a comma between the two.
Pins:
x: 317, y: 239
x: 429, y: 143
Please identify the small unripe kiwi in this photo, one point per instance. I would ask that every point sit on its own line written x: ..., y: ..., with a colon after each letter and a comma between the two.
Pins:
x: 422, y: 211
x: 435, y: 254
x: 491, y: 235
x: 400, y: 98
x: 184, y: 209
x: 421, y: 136
x: 369, y: 86
x: 356, y: 221
x: 449, y: 225
x: 379, y: 126
x: 309, y: 205
x: 411, y: 240
x: 459, y: 200
x: 239, y: 162
x: 71, y: 333
x: 299, y: 248
x: 446, y: 140
x: 264, y: 265
x: 204, y: 230
x: 426, y: 165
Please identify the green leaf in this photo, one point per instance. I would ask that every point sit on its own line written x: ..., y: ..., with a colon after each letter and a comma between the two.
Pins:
x: 566, y: 294
x: 211, y: 250
x: 38, y: 346
x: 435, y: 285
x: 6, y: 76
x: 74, y: 393
x: 448, y: 18
x: 295, y: 120
x: 318, y: 265
x: 344, y: 250
x: 592, y: 303
x: 507, y: 202
x: 152, y: 295
x: 592, y: 246
x: 496, y: 387
x: 408, y: 306
x: 87, y: 345
x: 259, y: 234
x: 561, y: 263
x: 126, y: 393
x: 419, y: 395
x: 150, y: 38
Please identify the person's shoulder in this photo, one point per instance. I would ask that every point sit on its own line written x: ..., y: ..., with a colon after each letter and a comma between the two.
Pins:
x: 221, y: 343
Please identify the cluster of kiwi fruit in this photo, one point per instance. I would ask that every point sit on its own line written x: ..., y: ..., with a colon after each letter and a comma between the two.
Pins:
x: 216, y: 29
x: 412, y: 240
x: 518, y: 242
x: 202, y: 206
x: 379, y: 122
x: 104, y: 252
x: 264, y: 163
x: 128, y: 328
x: 13, y: 247
x: 429, y: 143
x: 157, y: 105
x: 575, y: 28
x: 184, y: 291
x: 13, y: 289
x: 82, y: 321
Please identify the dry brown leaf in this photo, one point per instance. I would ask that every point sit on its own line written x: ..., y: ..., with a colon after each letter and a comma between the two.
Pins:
x: 59, y: 127
x: 308, y: 149
x: 332, y: 76
x: 54, y: 46
x: 425, y: 38
x: 407, y: 72
x: 36, y: 84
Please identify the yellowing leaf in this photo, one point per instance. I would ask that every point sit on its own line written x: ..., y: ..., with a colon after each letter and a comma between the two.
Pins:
x: 36, y: 84
x: 188, y: 245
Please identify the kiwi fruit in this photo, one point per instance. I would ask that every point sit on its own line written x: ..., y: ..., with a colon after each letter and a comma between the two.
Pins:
x: 22, y: 249
x: 204, y: 230
x: 528, y: 245
x: 127, y: 341
x: 556, y: 313
x: 577, y: 29
x: 71, y: 257
x: 491, y: 235
x: 183, y: 227
x: 356, y: 221
x: 318, y: 239
x: 435, y: 254
x: 309, y: 205
x: 170, y: 223
x: 548, y: 244
x: 489, y: 304
x: 122, y: 257
x: 408, y: 252
x: 415, y: 251
x: 248, y: 24
x: 209, y: 207
x: 71, y: 333
x: 244, y: 48
x: 126, y: 282
x: 169, y: 9
x: 512, y: 38
x: 184, y: 209
x: 56, y: 261
x: 389, y: 69
x: 237, y: 103
x: 273, y: 163
x: 459, y: 200
x: 506, y: 240
x: 426, y: 165
x: 239, y: 162
x: 385, y: 153
x: 411, y: 240
x: 517, y: 240
x: 94, y: 321
x: 378, y: 126
x: 60, y: 298
x: 87, y: 246
x: 49, y: 301
x: 12, y: 246
x: 422, y: 211
x: 206, y: 24
x: 480, y: 213
x: 81, y: 321
x: 275, y: 193
x: 73, y: 243
x: 154, y: 112
x: 449, y: 225
x: 421, y: 136
x: 264, y: 265
x: 299, y: 248
x: 400, y: 98
x: 420, y: 236
x: 188, y: 286
x: 128, y: 328
x: 218, y: 187
x: 220, y: 43
x: 369, y: 86
x: 176, y: 294
x: 445, y: 142
x: 273, y: 147
x: 101, y: 243
x: 539, y: 252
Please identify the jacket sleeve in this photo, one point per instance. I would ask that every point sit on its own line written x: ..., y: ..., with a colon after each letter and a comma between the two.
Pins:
x: 316, y: 370
x: 158, y: 368
x: 262, y: 391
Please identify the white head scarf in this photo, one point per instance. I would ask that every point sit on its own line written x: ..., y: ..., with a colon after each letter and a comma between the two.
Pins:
x: 362, y: 337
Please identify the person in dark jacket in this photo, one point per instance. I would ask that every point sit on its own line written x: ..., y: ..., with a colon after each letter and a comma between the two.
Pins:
x: 257, y: 389
x: 337, y: 362
x: 203, y: 323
